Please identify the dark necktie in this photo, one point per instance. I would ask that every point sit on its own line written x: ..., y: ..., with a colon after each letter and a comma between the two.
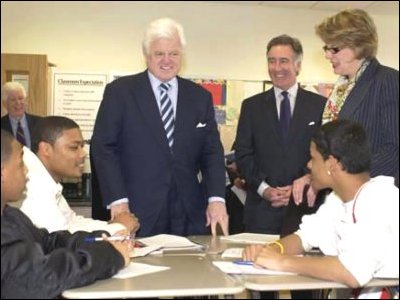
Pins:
x: 20, y: 134
x: 285, y: 115
x: 167, y: 113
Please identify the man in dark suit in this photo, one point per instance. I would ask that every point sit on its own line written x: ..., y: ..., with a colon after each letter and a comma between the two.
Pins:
x: 273, y: 137
x: 154, y: 134
x: 17, y: 122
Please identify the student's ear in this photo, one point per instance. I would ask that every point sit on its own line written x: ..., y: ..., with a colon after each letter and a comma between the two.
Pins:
x: 333, y: 164
x: 44, y: 149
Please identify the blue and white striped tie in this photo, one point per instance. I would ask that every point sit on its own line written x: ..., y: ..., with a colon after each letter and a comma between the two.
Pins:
x: 167, y: 112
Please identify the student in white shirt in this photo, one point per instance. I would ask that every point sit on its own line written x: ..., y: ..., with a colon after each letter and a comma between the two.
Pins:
x: 357, y: 228
x: 58, y: 144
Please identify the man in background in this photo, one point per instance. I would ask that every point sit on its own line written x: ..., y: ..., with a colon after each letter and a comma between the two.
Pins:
x: 17, y: 122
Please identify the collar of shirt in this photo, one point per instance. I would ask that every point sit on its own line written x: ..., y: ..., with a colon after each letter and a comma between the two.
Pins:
x: 38, y: 175
x: 172, y: 92
x: 14, y: 123
x: 292, y: 94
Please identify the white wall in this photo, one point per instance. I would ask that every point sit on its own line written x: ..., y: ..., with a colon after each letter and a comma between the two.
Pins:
x: 224, y: 41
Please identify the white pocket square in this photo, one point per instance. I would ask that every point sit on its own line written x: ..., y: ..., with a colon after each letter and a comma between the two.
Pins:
x: 201, y: 125
x: 311, y: 123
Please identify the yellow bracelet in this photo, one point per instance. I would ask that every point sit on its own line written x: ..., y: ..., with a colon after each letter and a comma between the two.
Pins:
x: 280, y: 245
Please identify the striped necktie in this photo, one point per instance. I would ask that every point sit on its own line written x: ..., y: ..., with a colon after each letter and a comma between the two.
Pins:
x: 167, y: 112
x: 20, y: 134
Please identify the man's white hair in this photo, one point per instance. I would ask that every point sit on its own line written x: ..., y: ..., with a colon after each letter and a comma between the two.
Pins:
x: 162, y: 28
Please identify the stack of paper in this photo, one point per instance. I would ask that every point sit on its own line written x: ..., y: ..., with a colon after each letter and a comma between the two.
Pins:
x: 251, y: 238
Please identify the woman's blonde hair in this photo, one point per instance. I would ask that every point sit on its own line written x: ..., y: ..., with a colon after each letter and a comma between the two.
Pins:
x: 352, y: 28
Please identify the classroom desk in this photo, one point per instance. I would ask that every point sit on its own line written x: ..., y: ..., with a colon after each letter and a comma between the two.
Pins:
x: 191, y: 274
x: 277, y: 282
x: 298, y: 282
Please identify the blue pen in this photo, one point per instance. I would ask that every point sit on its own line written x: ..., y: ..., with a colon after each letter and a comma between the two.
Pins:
x: 110, y: 238
x: 243, y: 262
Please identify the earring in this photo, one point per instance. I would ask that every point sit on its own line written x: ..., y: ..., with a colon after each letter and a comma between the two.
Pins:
x: 329, y: 173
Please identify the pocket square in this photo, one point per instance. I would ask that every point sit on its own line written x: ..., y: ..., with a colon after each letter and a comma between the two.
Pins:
x: 201, y: 125
x: 311, y: 123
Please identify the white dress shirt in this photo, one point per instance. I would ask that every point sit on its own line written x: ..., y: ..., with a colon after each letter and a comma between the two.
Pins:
x: 46, y: 206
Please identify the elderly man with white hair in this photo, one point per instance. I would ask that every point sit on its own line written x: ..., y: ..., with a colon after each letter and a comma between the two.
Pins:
x: 19, y: 123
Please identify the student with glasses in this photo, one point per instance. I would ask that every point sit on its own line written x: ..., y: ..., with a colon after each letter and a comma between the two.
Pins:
x: 365, y: 91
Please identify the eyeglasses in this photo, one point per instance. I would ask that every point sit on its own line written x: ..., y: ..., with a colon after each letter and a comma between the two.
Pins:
x: 332, y: 50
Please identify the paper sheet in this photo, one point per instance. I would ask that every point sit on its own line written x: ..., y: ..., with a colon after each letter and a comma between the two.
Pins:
x: 232, y: 268
x: 232, y: 253
x: 251, y: 238
x: 169, y: 241
x: 143, y: 251
x: 136, y: 269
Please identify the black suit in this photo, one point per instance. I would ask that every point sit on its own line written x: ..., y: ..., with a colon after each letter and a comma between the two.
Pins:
x: 32, y: 120
x: 133, y: 160
x: 374, y: 103
x: 262, y: 154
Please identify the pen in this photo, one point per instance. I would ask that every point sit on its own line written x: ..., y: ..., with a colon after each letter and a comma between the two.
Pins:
x: 243, y: 262
x: 110, y: 238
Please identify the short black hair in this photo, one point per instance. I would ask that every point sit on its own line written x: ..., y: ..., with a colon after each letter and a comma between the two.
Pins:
x: 49, y: 129
x: 347, y: 141
x: 6, y: 146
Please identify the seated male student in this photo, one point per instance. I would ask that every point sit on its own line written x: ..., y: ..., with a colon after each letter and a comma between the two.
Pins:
x: 357, y: 228
x: 39, y: 264
x: 58, y: 144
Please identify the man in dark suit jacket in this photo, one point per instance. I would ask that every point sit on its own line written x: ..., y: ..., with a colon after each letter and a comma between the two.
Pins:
x: 13, y: 96
x: 140, y: 169
x: 268, y: 157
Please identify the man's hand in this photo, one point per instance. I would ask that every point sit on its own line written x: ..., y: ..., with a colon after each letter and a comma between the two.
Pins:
x: 118, y: 208
x: 216, y: 213
x: 127, y: 219
x: 240, y: 183
x: 278, y: 196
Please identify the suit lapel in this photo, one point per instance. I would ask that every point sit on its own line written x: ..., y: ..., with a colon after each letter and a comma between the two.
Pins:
x: 358, y: 93
x: 271, y: 114
x: 147, y: 104
x: 6, y: 125
x: 183, y: 112
x: 298, y: 117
